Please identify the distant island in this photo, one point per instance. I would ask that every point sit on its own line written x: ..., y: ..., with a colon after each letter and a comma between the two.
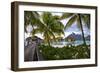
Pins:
x: 77, y: 37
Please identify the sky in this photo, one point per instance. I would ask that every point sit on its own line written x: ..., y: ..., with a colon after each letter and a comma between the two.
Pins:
x: 72, y: 29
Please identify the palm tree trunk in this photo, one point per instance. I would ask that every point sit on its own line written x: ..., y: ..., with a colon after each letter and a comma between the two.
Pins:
x: 82, y: 29
x: 48, y: 39
x: 48, y: 42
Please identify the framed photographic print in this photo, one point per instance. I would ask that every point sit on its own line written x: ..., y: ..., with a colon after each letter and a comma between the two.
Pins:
x: 52, y: 36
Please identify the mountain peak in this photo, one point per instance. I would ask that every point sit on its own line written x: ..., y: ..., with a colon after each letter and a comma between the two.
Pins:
x: 75, y: 36
x: 73, y: 33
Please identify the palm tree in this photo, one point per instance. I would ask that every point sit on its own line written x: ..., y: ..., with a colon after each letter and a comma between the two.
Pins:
x: 46, y: 24
x: 53, y: 25
x: 30, y: 18
x: 80, y: 18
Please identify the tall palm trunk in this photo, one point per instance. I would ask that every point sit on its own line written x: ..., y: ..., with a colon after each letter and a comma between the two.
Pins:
x: 48, y: 40
x: 82, y: 29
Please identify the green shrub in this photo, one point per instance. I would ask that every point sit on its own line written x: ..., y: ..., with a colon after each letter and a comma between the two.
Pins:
x: 56, y: 53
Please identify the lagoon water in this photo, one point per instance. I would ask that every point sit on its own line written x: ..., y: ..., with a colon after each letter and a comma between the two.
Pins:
x: 64, y: 43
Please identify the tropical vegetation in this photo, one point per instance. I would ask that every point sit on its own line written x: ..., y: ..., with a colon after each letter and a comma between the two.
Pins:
x: 80, y: 19
x: 47, y: 24
x: 52, y: 30
x: 73, y: 52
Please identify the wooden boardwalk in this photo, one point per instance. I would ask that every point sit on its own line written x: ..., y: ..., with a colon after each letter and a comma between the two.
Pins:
x: 31, y: 53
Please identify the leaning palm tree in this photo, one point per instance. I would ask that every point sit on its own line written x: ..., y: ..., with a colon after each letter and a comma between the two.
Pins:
x: 53, y: 25
x: 32, y: 18
x: 80, y: 18
x: 46, y: 24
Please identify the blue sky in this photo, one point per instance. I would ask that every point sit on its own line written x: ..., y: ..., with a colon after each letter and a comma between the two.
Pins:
x: 75, y: 29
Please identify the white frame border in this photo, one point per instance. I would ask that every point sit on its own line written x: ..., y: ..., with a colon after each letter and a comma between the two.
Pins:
x: 23, y: 64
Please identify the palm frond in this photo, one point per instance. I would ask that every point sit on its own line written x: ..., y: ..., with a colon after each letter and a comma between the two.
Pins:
x: 36, y: 15
x: 78, y: 22
x: 37, y: 30
x: 46, y: 16
x: 71, y: 21
x: 30, y: 18
x: 56, y: 17
x: 66, y: 15
x: 86, y: 19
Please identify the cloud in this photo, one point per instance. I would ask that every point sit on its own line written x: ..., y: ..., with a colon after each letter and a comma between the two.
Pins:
x: 74, y: 29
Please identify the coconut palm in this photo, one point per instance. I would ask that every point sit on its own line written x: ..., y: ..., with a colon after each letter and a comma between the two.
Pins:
x: 80, y: 18
x: 33, y: 19
x: 53, y: 25
x: 46, y: 24
x: 30, y: 18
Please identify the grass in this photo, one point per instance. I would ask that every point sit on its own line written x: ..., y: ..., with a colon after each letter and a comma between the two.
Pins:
x: 56, y: 53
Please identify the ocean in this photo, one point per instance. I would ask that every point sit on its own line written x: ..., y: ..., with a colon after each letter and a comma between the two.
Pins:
x: 65, y: 43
